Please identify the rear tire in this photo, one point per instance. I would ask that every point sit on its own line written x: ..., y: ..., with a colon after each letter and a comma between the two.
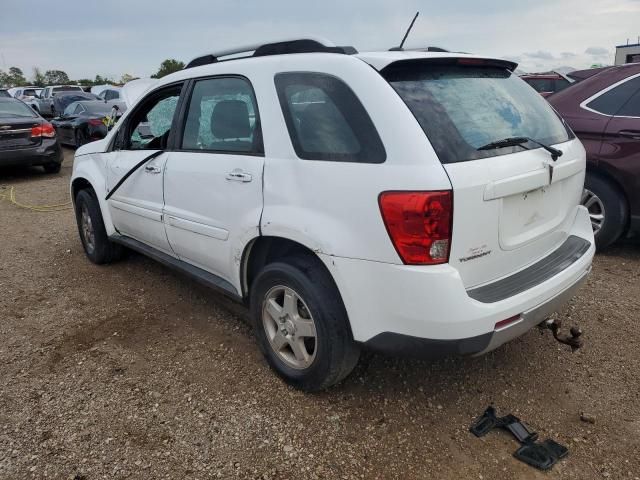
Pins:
x: 52, y: 167
x: 607, y: 209
x: 96, y: 243
x: 321, y: 328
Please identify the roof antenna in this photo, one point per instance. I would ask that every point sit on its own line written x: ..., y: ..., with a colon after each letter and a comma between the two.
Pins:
x: 399, y: 48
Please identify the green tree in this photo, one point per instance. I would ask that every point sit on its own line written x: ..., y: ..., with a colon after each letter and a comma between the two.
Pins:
x: 56, y: 77
x: 13, y: 78
x: 38, y: 78
x: 100, y: 80
x: 85, y: 82
x: 168, y: 66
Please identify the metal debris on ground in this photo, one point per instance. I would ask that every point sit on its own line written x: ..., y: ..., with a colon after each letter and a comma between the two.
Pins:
x: 542, y: 455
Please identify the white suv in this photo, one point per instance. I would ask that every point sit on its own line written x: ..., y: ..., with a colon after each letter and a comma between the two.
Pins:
x: 408, y: 201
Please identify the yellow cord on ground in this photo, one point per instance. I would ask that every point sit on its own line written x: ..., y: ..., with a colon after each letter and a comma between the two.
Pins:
x: 11, y: 196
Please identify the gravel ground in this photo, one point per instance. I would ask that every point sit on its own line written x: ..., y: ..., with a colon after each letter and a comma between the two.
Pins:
x: 132, y: 371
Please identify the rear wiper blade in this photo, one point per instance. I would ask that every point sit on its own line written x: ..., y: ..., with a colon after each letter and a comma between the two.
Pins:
x: 519, y: 141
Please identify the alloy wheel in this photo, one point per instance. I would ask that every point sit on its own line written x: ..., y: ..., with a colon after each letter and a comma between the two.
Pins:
x: 290, y: 327
x: 596, y: 209
x: 87, y: 229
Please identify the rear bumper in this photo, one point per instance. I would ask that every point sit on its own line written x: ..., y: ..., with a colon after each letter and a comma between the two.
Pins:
x: 426, y: 311
x: 404, y: 345
x: 48, y: 151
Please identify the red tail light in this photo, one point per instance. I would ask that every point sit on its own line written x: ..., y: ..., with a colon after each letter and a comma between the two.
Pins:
x: 96, y: 122
x: 43, y: 130
x: 419, y: 224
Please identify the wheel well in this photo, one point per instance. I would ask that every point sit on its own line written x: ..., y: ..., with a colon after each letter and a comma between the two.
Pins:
x: 265, y: 250
x: 607, y: 177
x: 604, y: 175
x: 79, y: 184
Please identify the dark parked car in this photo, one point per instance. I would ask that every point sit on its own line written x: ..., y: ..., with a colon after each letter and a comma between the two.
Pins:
x: 4, y: 93
x: 604, y: 112
x: 546, y: 83
x: 579, y: 75
x: 26, y: 138
x: 86, y: 121
x: 62, y: 100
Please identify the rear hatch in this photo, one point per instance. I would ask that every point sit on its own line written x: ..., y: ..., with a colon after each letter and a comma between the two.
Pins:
x: 16, y: 122
x: 509, y: 209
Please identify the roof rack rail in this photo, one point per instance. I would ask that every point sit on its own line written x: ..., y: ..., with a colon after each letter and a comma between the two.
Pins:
x: 425, y: 49
x: 296, y: 45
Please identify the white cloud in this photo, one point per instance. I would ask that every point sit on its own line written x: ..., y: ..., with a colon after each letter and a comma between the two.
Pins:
x: 112, y: 37
x: 596, y: 51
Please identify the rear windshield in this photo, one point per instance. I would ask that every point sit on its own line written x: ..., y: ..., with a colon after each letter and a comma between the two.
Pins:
x: 15, y: 109
x: 98, y: 107
x: 463, y: 108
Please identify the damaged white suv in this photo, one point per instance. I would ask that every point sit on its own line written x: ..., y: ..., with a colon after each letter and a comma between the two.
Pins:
x: 409, y: 201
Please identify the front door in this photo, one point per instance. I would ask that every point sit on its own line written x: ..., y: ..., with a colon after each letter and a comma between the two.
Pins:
x: 136, y: 206
x: 213, y: 179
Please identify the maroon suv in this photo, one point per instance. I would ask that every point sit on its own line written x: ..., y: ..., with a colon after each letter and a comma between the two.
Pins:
x: 604, y: 112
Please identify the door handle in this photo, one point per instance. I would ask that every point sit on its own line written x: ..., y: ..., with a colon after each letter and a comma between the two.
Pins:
x: 152, y: 169
x: 634, y: 134
x: 238, y: 175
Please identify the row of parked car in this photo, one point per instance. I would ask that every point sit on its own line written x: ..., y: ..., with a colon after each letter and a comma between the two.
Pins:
x: 75, y: 117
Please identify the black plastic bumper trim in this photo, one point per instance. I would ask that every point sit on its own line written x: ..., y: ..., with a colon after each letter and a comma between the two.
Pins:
x: 397, y: 344
x: 562, y: 258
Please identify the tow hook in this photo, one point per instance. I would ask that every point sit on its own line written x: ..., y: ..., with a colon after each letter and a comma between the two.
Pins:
x: 574, y: 340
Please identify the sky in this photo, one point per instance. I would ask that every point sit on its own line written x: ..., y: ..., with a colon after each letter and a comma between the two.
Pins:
x: 113, y: 37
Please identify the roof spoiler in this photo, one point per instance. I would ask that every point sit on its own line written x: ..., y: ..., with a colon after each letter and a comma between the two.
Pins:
x: 465, y: 61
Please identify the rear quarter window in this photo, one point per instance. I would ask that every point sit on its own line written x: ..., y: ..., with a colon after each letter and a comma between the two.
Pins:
x: 462, y: 108
x: 612, y: 101
x: 325, y: 119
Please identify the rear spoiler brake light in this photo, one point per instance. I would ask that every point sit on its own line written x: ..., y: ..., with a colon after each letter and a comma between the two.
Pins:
x: 468, y: 61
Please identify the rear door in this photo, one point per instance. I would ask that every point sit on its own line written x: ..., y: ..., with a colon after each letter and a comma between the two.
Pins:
x: 65, y: 125
x: 509, y: 209
x: 621, y: 144
x: 213, y: 180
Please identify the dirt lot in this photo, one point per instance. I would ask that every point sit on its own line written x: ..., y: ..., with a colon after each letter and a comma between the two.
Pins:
x: 132, y: 371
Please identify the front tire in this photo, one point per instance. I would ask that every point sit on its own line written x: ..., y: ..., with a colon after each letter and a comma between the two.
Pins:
x: 607, y: 210
x: 52, y: 167
x: 96, y: 243
x: 301, y: 324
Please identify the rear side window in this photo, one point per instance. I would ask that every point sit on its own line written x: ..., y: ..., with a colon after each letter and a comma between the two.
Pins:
x: 325, y: 119
x: 612, y: 101
x: 222, y: 117
x: 463, y: 108
x: 632, y: 107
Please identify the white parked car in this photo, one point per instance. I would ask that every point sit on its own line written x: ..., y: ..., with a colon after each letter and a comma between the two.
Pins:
x: 408, y: 201
x: 25, y: 94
